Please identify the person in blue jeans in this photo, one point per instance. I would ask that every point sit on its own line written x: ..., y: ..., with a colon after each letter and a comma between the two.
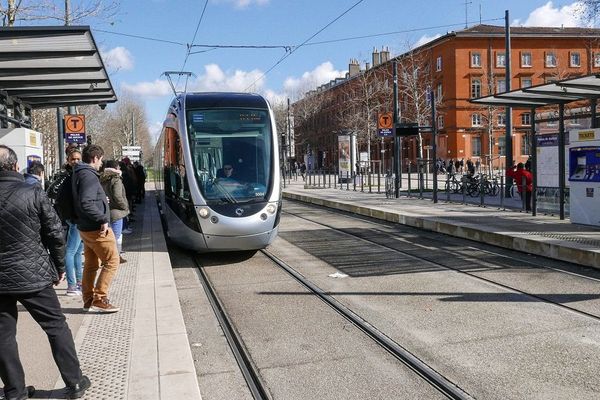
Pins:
x: 74, y: 248
x: 73, y: 264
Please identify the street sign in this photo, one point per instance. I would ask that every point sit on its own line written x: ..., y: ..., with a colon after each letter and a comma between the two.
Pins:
x: 75, y: 128
x: 385, y: 124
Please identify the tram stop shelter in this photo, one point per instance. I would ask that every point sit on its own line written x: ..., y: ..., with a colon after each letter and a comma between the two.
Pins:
x: 560, y: 93
x: 48, y: 67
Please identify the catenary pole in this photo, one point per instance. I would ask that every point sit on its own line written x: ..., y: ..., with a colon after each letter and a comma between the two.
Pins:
x: 397, y: 139
x: 508, y: 116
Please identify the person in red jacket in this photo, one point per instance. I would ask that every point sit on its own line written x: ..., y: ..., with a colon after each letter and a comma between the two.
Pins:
x: 518, y: 175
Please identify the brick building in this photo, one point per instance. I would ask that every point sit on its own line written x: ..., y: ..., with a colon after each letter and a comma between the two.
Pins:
x: 458, y: 66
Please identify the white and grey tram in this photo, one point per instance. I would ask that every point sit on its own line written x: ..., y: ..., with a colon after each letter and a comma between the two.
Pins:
x: 217, y: 172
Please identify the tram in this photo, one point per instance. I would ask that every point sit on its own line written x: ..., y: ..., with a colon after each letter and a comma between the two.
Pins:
x: 217, y: 172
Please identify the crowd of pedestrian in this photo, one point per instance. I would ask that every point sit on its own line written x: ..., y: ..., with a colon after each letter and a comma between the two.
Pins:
x: 74, y: 230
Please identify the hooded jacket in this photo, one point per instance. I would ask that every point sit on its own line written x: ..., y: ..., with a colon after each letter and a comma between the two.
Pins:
x: 112, y: 183
x: 91, y: 204
x: 32, y: 245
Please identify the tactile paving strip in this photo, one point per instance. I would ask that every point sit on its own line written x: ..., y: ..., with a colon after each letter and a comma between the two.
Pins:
x: 568, y: 238
x: 106, y: 350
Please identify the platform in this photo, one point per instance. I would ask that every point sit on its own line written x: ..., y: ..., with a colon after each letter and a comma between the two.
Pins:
x: 141, y: 352
x: 542, y: 235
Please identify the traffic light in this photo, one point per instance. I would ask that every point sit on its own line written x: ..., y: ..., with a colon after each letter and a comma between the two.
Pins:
x: 89, y: 139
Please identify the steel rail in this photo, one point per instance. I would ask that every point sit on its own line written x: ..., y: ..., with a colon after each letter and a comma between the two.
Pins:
x: 500, y: 285
x: 438, y: 381
x: 241, y: 354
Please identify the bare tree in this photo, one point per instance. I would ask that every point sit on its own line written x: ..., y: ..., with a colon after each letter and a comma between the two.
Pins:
x: 58, y: 10
x: 415, y: 80
x: 367, y: 94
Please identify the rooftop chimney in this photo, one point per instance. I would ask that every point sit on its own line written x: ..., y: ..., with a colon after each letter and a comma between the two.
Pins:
x: 353, y: 68
x: 376, y: 58
x: 385, y: 55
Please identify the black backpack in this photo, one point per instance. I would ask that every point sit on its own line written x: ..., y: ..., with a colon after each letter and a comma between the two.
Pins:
x: 61, y: 192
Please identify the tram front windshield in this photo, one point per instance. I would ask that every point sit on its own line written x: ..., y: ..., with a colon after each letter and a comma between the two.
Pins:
x: 232, y: 151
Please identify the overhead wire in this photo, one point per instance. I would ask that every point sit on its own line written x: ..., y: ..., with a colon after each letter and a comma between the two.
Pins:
x: 189, y: 46
x: 287, y: 54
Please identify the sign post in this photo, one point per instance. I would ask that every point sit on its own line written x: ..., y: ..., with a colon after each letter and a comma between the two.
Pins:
x: 75, y: 128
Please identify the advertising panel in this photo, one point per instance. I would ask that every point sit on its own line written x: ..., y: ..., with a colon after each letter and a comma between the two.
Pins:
x: 584, y: 176
x: 344, y: 160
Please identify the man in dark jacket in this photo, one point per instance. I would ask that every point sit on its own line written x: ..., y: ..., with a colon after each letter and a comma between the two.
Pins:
x: 32, y: 250
x: 93, y: 222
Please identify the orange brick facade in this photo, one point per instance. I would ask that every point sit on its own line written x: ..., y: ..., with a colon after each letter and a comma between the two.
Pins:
x: 468, y: 64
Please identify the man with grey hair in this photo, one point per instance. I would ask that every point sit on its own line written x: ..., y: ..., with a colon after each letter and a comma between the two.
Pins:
x: 32, y: 250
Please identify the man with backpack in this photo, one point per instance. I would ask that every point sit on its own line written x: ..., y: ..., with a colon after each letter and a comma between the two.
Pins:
x: 61, y: 192
x: 93, y: 221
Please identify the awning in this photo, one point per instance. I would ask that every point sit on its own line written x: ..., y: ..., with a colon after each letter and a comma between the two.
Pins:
x: 53, y: 66
x: 560, y: 92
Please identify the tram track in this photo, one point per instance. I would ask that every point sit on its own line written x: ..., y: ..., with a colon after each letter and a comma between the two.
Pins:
x: 428, y: 374
x: 458, y: 270
x: 251, y: 373
x: 240, y: 352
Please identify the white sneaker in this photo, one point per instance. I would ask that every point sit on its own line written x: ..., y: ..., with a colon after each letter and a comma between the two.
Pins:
x: 73, y: 292
x: 127, y: 231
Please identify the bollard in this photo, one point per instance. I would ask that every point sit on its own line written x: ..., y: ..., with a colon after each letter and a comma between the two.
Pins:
x: 502, y: 192
x: 378, y: 182
x: 348, y: 181
x: 409, y: 179
x: 421, y: 181
x: 482, y: 192
x: 329, y: 176
x: 464, y: 188
x: 369, y: 181
x: 448, y: 187
x: 362, y: 182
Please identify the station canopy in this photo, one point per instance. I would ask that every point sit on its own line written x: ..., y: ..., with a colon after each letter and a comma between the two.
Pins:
x: 46, y: 67
x: 558, y: 92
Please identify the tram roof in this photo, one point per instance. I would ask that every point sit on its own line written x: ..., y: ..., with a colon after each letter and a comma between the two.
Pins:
x: 224, y: 100
x: 53, y: 66
x: 559, y: 92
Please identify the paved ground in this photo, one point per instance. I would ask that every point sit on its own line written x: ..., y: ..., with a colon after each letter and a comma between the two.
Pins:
x: 141, y: 352
x: 541, y: 235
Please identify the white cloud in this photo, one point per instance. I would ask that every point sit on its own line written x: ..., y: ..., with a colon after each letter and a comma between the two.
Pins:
x: 214, y: 79
x: 244, y: 3
x: 425, y: 39
x: 118, y: 58
x: 311, y: 79
x: 549, y: 15
x: 158, y: 88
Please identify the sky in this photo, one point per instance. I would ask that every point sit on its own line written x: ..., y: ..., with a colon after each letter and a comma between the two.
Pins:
x: 300, y: 44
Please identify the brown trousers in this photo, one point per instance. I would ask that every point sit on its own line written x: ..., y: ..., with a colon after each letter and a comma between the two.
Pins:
x: 99, y: 252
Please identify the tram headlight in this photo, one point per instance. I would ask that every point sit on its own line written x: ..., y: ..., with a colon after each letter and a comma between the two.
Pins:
x: 204, y: 212
x: 271, y: 208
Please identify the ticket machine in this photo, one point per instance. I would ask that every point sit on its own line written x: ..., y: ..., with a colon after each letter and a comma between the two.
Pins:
x: 584, y: 176
x: 26, y: 143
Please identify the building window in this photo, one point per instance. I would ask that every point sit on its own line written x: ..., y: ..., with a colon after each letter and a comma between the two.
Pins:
x: 597, y: 60
x: 475, y: 87
x: 475, y: 146
x: 526, y: 82
x: 525, y: 145
x: 501, y: 119
x: 575, y: 59
x: 475, y: 60
x: 501, y: 146
x: 550, y: 59
x: 476, y: 119
x: 438, y: 64
x: 526, y: 59
x: 526, y: 119
x: 501, y: 86
x: 500, y: 60
x: 440, y: 122
x: 439, y: 92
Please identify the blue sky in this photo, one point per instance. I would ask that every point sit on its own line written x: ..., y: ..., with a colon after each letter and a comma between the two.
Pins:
x: 136, y: 65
